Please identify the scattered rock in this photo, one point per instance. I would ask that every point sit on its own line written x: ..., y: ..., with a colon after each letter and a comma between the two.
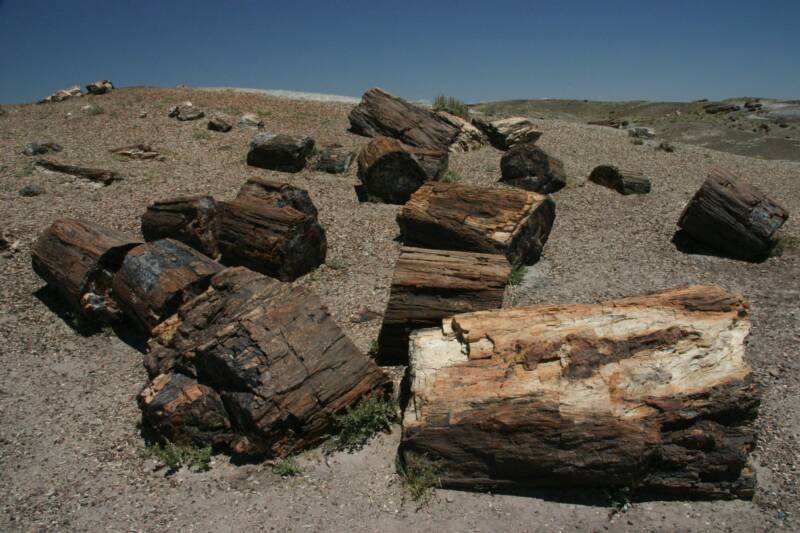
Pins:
x: 622, y: 181
x: 529, y: 167
x: 335, y: 159
x: 468, y: 138
x: 92, y: 109
x: 251, y: 120
x: 609, y: 123
x: 143, y: 114
x: 63, y: 94
x: 279, y: 152
x: 752, y: 105
x: 641, y: 133
x: 100, y: 87
x: 505, y: 133
x: 31, y: 190
x: 138, y: 151
x: 185, y: 111
x: 665, y: 146
x: 218, y: 123
x: 43, y: 148
x: 721, y: 108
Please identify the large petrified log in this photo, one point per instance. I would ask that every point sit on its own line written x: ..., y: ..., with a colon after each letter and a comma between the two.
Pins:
x: 529, y: 167
x: 278, y: 241
x: 381, y: 113
x: 429, y: 285
x: 191, y: 220
x: 391, y: 171
x: 254, y: 365
x: 79, y: 259
x: 468, y: 138
x: 621, y: 180
x: 731, y: 217
x: 508, y: 132
x: 649, y: 392
x: 286, y: 153
x: 157, y: 277
x: 278, y: 194
x: 450, y: 216
x: 99, y: 175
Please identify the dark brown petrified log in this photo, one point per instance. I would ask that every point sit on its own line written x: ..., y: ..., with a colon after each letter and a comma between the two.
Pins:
x: 189, y: 219
x: 278, y: 194
x: 391, y: 171
x: 621, y: 180
x: 278, y: 241
x: 429, y: 285
x: 732, y: 217
x: 650, y: 392
x: 381, y: 113
x: 98, y: 175
x: 79, y: 259
x: 265, y: 368
x: 449, y: 216
x: 157, y: 277
x: 506, y: 133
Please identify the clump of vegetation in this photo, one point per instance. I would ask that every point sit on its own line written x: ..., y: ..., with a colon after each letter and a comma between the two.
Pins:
x: 420, y: 475
x: 335, y: 263
x: 517, y: 274
x: 451, y: 176
x: 787, y: 243
x: 637, y: 142
x: 201, y: 134
x: 619, y: 500
x: 451, y: 105
x: 360, y: 423
x: 175, y: 456
x: 287, y: 467
x: 372, y: 351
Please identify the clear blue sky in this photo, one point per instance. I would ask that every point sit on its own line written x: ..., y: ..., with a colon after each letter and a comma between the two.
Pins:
x: 603, y: 49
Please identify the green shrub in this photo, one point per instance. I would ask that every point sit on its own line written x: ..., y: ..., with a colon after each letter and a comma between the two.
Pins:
x: 286, y: 467
x: 175, y: 456
x: 451, y: 105
x: 335, y: 263
x: 784, y: 244
x: 517, y: 274
x: 451, y: 176
x: 420, y: 475
x: 372, y: 351
x: 360, y: 423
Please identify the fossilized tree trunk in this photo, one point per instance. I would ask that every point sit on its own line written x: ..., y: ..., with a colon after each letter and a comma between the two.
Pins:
x: 278, y: 194
x: 99, y: 175
x: 621, y: 180
x: 650, y: 392
x: 429, y: 285
x: 448, y: 216
x: 191, y: 220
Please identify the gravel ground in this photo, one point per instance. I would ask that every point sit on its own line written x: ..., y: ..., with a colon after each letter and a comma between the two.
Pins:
x: 71, y: 456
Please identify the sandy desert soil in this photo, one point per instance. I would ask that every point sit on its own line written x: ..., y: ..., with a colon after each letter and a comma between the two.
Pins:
x: 70, y: 453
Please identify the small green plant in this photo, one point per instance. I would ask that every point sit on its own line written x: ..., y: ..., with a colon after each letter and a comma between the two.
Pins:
x: 286, y: 467
x: 517, y: 274
x: 637, y: 142
x: 451, y: 105
x: 201, y: 134
x: 335, y: 263
x: 619, y: 500
x: 175, y: 456
x: 420, y: 475
x: 94, y: 109
x: 360, y: 423
x: 372, y: 351
x: 451, y: 176
x: 784, y: 244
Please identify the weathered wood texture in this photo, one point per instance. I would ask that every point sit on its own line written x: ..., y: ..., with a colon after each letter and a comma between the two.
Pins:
x: 281, y: 152
x: 381, y: 113
x: 449, y: 216
x: 267, y: 359
x: 391, y: 171
x: 137, y: 151
x: 529, y: 167
x: 98, y: 175
x: 278, y: 194
x: 429, y: 285
x: 621, y: 180
x: 649, y: 392
x: 157, y: 277
x: 191, y: 220
x: 732, y: 217
x: 505, y: 133
x: 278, y: 241
x: 78, y: 259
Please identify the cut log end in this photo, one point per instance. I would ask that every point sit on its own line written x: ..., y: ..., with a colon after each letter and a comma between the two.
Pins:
x: 621, y: 180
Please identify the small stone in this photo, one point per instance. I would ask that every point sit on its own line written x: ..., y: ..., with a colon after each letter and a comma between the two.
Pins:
x: 40, y: 148
x: 100, y: 87
x: 251, y: 120
x: 219, y: 124
x: 31, y: 190
x: 667, y: 147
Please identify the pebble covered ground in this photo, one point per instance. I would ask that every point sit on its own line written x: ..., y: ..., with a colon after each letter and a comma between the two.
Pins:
x: 71, y: 457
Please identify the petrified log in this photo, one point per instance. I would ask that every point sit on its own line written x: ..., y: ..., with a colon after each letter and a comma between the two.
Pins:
x: 79, y: 259
x: 272, y: 353
x: 278, y: 241
x: 100, y: 87
x: 99, y: 175
x: 335, y: 159
x: 721, y: 108
x: 429, y: 285
x: 137, y: 151
x: 279, y: 152
x: 381, y: 113
x: 278, y: 194
x: 218, y: 123
x: 157, y: 277
x: 191, y: 220
x: 41, y: 148
x: 650, y: 392
x: 622, y: 181
x: 186, y: 111
x: 468, y: 138
x: 508, y: 132
x: 391, y: 171
x: 450, y: 216
x: 731, y: 217
x: 529, y: 167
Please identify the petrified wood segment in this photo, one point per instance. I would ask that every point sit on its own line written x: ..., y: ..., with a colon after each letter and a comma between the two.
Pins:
x: 391, y: 171
x: 79, y: 259
x: 157, y: 277
x: 98, y: 175
x: 429, y: 285
x: 278, y: 241
x: 621, y: 180
x: 649, y: 392
x: 286, y: 153
x: 278, y: 194
x: 731, y: 217
x: 508, y: 132
x: 529, y: 167
x: 191, y: 220
x: 450, y: 216
x: 270, y: 350
x: 381, y: 113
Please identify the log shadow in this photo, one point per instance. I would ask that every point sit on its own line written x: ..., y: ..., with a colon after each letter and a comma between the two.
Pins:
x: 686, y: 244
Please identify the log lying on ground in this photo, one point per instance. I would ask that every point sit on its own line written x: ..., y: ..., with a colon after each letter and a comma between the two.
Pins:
x: 529, y: 167
x: 335, y: 159
x: 621, y: 180
x: 733, y: 218
x: 468, y: 138
x: 137, y: 151
x: 191, y: 220
x: 508, y: 132
x: 278, y: 241
x: 98, y: 175
x: 254, y: 365
x: 391, y: 171
x: 449, y: 216
x: 381, y: 113
x: 649, y: 392
x: 285, y: 153
x: 157, y: 277
x: 79, y: 259
x: 429, y: 285
x: 278, y: 194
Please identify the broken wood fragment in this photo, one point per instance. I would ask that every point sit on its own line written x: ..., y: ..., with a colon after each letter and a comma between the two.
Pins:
x: 97, y: 175
x: 191, y: 220
x: 621, y: 180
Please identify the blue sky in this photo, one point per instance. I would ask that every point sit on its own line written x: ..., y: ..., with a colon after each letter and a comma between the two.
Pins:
x: 477, y: 51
